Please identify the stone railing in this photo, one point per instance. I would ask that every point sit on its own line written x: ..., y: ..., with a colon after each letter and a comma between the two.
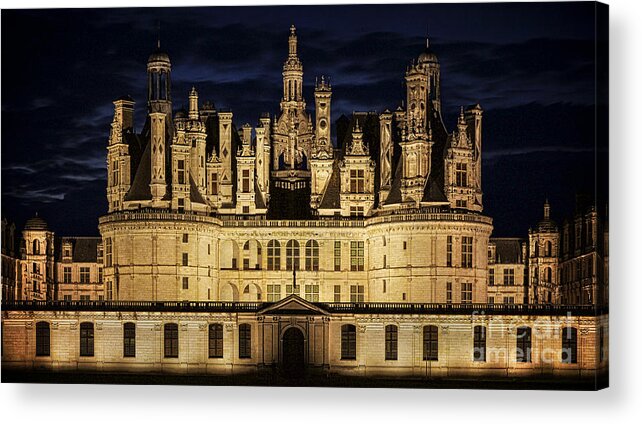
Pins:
x: 340, y: 308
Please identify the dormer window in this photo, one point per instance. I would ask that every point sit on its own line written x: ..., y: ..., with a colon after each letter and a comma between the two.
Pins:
x: 357, y: 181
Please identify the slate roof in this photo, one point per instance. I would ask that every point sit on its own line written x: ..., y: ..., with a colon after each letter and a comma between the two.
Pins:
x: 433, y: 192
x: 139, y: 189
x: 508, y: 250
x: 84, y: 249
x: 332, y: 196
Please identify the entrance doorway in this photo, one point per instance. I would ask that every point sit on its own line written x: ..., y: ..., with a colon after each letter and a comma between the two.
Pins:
x: 293, y: 352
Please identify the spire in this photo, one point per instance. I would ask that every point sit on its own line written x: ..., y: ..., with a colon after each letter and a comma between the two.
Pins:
x: 292, y: 42
x: 547, y: 209
x: 158, y: 34
x: 193, y: 104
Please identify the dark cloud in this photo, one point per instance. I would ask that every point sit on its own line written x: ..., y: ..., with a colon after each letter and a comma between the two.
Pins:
x: 530, y: 66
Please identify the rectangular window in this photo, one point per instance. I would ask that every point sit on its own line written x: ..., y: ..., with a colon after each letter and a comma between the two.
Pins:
x: 356, y: 256
x: 66, y: 274
x: 384, y: 286
x: 185, y: 283
x: 246, y: 180
x: 337, y: 256
x: 114, y: 168
x: 245, y: 341
x: 348, y: 342
x: 274, y: 255
x: 356, y: 211
x: 312, y: 292
x: 185, y: 238
x: 479, y: 344
x: 491, y: 277
x: 290, y: 290
x: 509, y: 300
x: 491, y: 300
x: 569, y: 345
x: 467, y: 252
x: 449, y: 292
x: 523, y: 351
x: 273, y: 292
x: 214, y: 184
x: 449, y: 251
x: 85, y: 298
x: 431, y: 343
x: 181, y: 171
x: 110, y: 292
x: 466, y: 292
x: 357, y: 293
x: 170, y: 340
x: 100, y: 275
x: 42, y: 339
x: 108, y: 252
x: 67, y: 298
x: 391, y: 342
x: 461, y: 175
x: 509, y: 277
x: 129, y: 340
x: 337, y: 293
x: 357, y: 181
x: 185, y: 259
x: 86, y: 339
x: 246, y: 209
x: 215, y: 345
x: 84, y: 275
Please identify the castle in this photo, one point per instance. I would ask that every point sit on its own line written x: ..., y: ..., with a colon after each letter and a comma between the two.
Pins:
x: 273, y: 245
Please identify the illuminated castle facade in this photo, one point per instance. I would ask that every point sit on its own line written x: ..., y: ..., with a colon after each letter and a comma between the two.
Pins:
x: 273, y: 245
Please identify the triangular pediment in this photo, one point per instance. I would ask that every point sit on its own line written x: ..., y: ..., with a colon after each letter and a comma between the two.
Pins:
x: 293, y: 305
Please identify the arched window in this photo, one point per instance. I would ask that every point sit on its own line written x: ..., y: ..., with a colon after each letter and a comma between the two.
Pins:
x: 170, y: 340
x: 348, y: 341
x: 524, y: 344
x: 216, y: 341
x: 312, y: 255
x: 479, y: 343
x: 129, y: 340
x: 42, y: 339
x: 274, y: 255
x: 391, y: 342
x: 536, y: 248
x: 36, y: 247
x: 548, y: 248
x: 431, y: 343
x: 245, y: 341
x: 569, y: 345
x: 86, y: 339
x: 548, y: 275
x: 292, y: 255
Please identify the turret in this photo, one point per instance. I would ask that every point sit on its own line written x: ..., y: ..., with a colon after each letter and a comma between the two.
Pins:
x: 159, y: 88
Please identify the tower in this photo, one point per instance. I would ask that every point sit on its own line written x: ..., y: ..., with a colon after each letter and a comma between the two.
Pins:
x: 159, y: 88
x: 543, y: 260
x: 245, y: 174
x: 118, y: 159
x: 292, y: 77
x: 357, y: 177
x: 196, y: 136
x: 322, y: 152
x: 36, y: 280
x: 462, y: 184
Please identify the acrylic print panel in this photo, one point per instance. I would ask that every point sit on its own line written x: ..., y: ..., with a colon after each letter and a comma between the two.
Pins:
x: 419, y: 200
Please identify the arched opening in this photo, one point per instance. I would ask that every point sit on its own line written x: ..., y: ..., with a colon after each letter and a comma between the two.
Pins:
x: 229, y: 255
x: 251, y: 293
x: 229, y: 293
x: 293, y: 358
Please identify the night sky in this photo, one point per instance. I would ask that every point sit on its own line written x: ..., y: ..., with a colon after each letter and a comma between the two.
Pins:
x: 530, y: 66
